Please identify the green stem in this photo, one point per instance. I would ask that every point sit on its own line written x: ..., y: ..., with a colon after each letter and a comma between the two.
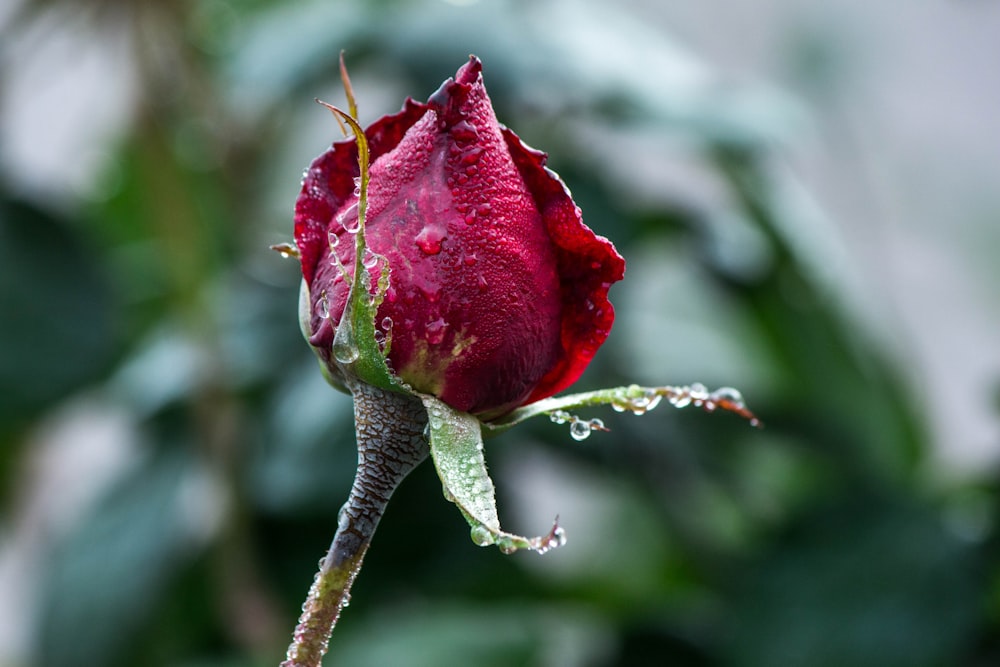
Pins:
x: 391, y: 442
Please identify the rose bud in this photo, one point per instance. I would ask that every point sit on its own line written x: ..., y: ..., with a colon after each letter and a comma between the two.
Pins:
x: 497, y: 293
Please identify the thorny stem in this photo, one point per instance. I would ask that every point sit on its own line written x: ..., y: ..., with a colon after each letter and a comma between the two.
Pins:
x: 391, y: 442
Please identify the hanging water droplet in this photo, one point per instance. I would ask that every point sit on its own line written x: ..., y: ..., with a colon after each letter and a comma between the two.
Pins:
x: 387, y: 323
x: 324, y: 306
x: 560, y: 417
x: 344, y: 351
x: 332, y: 238
x: 482, y: 536
x: 579, y: 430
x: 654, y: 400
x: 507, y: 547
x: 597, y: 425
x: 370, y: 259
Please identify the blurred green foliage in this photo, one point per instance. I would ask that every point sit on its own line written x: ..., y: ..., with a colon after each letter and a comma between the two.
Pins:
x: 824, y: 539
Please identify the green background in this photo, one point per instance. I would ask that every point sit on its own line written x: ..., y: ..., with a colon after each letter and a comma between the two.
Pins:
x: 171, y: 461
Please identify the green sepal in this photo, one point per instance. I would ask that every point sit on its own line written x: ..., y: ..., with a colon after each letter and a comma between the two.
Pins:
x: 633, y: 398
x: 356, y: 348
x: 456, y: 445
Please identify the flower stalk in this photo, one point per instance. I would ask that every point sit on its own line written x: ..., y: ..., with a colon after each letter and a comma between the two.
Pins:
x: 391, y: 442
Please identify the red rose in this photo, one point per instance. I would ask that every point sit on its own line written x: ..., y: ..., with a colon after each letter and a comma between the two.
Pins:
x: 498, y: 291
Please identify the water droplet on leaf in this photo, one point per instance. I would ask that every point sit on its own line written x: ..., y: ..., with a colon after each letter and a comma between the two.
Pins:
x: 348, y: 219
x: 344, y: 351
x: 579, y: 430
x: 482, y: 536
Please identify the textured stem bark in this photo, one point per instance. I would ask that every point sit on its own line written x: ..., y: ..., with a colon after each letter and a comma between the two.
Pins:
x: 391, y: 442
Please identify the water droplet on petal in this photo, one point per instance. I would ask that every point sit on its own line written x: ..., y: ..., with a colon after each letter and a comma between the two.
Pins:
x: 435, y: 330
x: 471, y: 156
x: 464, y: 131
x: 324, y: 306
x: 430, y: 237
x: 470, y: 259
x: 370, y: 260
x: 332, y: 238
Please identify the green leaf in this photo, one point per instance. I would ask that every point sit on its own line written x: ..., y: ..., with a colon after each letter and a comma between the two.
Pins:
x: 456, y: 444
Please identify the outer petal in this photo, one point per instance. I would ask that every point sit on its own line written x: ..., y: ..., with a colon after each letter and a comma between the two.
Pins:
x: 475, y: 304
x: 587, y: 264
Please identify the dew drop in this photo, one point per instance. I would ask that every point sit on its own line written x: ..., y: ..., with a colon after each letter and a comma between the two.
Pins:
x: 430, y: 237
x: 344, y: 351
x: 464, y: 131
x: 471, y: 156
x: 370, y: 260
x: 680, y: 400
x: 507, y: 548
x: 435, y: 330
x: 387, y: 323
x: 579, y: 430
x: 481, y: 283
x: 482, y: 536
x: 286, y: 250
x: 484, y: 209
x: 733, y: 396
x: 470, y: 259
x: 332, y: 238
x: 560, y: 417
x: 348, y: 219
x: 324, y: 306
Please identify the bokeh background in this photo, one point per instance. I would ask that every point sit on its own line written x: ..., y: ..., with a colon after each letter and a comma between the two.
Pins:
x: 808, y: 198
